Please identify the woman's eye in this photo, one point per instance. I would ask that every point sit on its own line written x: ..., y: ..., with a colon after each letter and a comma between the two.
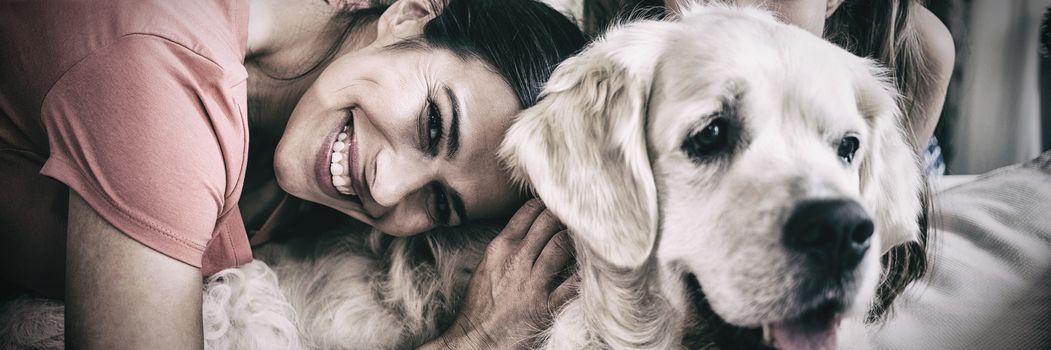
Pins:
x: 848, y: 146
x: 434, y: 126
x: 710, y: 141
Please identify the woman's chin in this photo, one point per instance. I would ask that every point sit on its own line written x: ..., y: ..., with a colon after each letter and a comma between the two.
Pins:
x: 294, y: 177
x: 284, y: 170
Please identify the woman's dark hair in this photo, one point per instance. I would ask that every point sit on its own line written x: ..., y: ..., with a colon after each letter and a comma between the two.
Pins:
x: 600, y: 15
x: 522, y: 40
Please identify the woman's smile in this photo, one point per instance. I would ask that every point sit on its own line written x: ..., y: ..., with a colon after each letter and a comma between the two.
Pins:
x: 338, y: 165
x: 341, y: 162
x: 344, y: 161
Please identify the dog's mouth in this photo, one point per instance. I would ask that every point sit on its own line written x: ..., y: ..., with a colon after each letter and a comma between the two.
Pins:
x: 814, y: 329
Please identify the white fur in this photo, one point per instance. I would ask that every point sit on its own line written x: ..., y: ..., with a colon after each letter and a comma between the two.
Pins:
x: 243, y: 308
x: 603, y: 149
x: 359, y: 289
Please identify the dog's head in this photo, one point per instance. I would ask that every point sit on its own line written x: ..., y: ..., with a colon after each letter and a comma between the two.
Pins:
x: 753, y: 155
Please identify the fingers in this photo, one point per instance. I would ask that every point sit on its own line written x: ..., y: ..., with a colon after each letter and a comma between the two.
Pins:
x: 506, y: 244
x: 522, y: 220
x: 555, y: 257
x: 545, y: 227
x: 564, y: 292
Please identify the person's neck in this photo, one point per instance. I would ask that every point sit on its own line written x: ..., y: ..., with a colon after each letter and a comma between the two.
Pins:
x: 289, y: 44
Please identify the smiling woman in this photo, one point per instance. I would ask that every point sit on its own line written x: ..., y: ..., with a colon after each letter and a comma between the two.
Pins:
x: 409, y: 147
x: 128, y: 164
x: 416, y: 144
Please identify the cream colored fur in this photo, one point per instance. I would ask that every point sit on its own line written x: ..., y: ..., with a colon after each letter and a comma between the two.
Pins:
x: 603, y: 148
x: 351, y: 289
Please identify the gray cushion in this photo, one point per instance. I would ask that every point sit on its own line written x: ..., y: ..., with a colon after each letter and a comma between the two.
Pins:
x: 990, y: 283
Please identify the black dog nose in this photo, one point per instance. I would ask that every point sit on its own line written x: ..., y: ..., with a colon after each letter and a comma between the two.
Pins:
x: 832, y: 231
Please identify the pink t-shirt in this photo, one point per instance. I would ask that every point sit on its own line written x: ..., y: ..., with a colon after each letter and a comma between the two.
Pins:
x: 139, y: 106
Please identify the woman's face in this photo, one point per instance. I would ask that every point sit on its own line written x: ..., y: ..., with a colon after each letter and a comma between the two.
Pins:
x: 401, y: 139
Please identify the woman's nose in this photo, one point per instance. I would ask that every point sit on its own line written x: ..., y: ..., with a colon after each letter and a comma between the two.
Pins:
x: 398, y: 175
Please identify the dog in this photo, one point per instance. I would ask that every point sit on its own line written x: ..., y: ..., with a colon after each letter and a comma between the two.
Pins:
x: 728, y: 164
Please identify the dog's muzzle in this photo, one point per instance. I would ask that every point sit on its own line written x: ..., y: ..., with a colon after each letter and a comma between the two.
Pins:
x: 830, y: 233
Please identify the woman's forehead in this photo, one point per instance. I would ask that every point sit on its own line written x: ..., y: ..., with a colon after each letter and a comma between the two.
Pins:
x: 447, y: 64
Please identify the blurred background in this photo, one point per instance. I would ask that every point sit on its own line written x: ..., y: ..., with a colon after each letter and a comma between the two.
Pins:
x: 992, y: 114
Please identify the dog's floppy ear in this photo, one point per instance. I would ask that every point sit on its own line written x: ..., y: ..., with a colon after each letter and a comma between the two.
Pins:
x: 890, y: 170
x: 583, y: 150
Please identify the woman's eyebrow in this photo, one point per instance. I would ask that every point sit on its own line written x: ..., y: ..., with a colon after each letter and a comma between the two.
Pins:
x: 451, y: 148
x: 453, y: 140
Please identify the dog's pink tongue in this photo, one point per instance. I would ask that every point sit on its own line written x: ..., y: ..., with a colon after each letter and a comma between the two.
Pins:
x: 797, y: 336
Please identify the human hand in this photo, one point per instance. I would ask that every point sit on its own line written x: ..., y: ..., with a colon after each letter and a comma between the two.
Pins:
x: 517, y: 288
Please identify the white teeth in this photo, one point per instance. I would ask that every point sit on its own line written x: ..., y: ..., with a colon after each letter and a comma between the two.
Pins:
x: 339, y: 165
x: 337, y: 169
x: 339, y: 181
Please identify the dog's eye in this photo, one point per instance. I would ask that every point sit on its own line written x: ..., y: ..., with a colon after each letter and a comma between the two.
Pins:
x: 847, y: 147
x: 708, y: 142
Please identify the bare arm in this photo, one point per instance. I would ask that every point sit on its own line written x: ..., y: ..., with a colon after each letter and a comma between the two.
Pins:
x: 121, y: 294
x: 939, y: 57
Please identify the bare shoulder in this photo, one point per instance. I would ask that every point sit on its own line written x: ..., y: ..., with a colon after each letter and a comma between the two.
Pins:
x: 937, y: 58
x: 939, y: 51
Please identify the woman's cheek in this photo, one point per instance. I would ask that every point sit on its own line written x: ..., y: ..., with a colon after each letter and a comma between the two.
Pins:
x: 284, y: 172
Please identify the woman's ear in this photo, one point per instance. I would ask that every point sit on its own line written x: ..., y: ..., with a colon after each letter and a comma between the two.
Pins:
x: 405, y: 19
